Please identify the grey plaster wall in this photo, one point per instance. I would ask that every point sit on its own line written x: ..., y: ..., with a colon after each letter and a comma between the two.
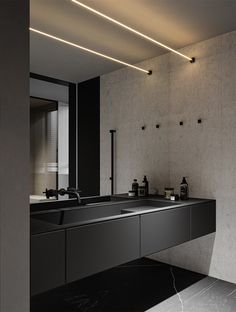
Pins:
x: 14, y: 156
x: 130, y: 100
x: 205, y: 153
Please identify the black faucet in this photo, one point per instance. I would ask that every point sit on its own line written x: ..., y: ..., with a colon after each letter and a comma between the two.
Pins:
x: 70, y: 191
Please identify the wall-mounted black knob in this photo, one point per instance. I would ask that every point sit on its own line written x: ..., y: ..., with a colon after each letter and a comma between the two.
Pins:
x: 181, y: 123
x: 50, y: 193
x: 199, y: 120
x: 143, y: 127
x: 157, y: 126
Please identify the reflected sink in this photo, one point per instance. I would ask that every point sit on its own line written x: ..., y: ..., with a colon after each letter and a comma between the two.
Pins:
x: 88, y: 213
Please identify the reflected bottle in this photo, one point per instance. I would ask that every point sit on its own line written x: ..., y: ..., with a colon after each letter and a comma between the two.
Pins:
x: 146, y: 184
x: 135, y: 187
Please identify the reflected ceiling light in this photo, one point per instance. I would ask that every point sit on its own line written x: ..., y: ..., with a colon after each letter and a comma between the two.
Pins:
x: 149, y: 72
x: 191, y: 59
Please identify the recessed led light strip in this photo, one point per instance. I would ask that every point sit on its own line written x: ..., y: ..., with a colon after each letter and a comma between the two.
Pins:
x: 149, y: 72
x: 191, y: 59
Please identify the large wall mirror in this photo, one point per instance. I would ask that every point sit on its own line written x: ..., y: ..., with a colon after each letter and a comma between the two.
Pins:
x: 52, y: 135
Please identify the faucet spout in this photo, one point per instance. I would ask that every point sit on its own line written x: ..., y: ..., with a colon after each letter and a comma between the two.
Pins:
x: 73, y: 191
x: 62, y: 192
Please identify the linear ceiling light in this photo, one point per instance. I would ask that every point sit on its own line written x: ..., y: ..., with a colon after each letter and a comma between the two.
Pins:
x: 149, y: 72
x: 191, y: 59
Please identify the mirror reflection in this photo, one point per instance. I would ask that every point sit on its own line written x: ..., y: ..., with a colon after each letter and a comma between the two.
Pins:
x: 49, y: 146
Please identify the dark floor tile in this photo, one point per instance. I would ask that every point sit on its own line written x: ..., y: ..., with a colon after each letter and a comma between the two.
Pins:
x: 133, y: 287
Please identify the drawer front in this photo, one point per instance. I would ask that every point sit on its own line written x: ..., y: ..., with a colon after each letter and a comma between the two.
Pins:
x: 164, y: 229
x: 100, y: 246
x: 47, y: 261
x: 203, y: 219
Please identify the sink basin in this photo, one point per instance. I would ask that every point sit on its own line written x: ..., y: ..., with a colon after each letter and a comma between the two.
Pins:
x: 88, y: 213
x: 79, y: 214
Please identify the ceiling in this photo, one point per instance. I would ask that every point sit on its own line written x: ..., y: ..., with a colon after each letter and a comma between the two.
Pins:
x: 176, y: 23
x: 40, y: 103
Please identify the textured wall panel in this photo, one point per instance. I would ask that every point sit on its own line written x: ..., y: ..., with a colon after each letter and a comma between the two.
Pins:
x: 179, y: 91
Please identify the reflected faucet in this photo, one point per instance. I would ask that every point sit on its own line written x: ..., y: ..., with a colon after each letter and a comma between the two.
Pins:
x: 70, y: 191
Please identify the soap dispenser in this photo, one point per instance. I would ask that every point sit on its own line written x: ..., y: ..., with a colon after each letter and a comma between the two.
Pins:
x: 146, y: 184
x: 184, y: 189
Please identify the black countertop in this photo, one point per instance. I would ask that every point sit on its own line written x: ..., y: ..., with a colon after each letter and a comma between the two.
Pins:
x: 38, y: 226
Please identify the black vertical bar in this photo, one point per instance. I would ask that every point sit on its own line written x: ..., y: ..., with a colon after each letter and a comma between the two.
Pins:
x: 89, y: 137
x: 72, y: 135
x: 112, y: 161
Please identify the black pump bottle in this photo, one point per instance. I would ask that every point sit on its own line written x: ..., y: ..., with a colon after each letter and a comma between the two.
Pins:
x: 184, y: 189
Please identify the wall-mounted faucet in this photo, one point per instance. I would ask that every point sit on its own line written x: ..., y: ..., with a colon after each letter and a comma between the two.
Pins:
x: 70, y: 191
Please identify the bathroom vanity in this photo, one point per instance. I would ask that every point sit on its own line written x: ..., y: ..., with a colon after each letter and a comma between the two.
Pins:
x: 68, y: 244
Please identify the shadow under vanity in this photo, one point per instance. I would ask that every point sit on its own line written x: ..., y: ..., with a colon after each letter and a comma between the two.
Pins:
x: 70, y: 243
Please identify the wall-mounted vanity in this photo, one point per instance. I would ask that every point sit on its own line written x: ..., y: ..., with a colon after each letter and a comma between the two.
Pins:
x: 71, y: 243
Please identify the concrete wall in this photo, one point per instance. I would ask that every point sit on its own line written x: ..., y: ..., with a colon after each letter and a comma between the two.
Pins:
x: 130, y: 100
x: 14, y: 156
x: 205, y: 153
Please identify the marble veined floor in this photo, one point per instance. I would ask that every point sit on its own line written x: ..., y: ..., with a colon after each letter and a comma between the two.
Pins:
x: 138, y: 286
x: 207, y: 295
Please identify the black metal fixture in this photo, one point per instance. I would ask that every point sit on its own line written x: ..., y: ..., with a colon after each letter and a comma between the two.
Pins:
x: 69, y: 191
x: 157, y: 126
x: 181, y: 123
x: 143, y: 128
x: 199, y: 120
x: 112, y: 132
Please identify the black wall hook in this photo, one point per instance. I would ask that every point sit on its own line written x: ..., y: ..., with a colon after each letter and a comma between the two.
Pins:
x: 143, y: 127
x: 199, y: 120
x: 181, y: 123
x: 157, y: 126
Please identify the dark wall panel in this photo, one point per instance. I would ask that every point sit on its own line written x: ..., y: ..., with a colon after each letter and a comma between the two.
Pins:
x: 89, y: 137
x: 72, y: 135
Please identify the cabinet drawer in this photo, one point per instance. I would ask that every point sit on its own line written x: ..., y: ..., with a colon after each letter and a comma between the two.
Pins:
x: 97, y: 247
x: 47, y: 261
x: 164, y: 229
x: 203, y: 219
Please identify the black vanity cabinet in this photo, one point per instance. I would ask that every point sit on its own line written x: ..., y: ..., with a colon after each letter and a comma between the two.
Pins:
x: 203, y: 219
x: 96, y: 247
x: 47, y: 261
x: 164, y: 229
x: 60, y: 256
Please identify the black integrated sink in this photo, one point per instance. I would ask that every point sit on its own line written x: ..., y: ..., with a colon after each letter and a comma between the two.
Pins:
x: 79, y: 214
x: 97, y: 211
